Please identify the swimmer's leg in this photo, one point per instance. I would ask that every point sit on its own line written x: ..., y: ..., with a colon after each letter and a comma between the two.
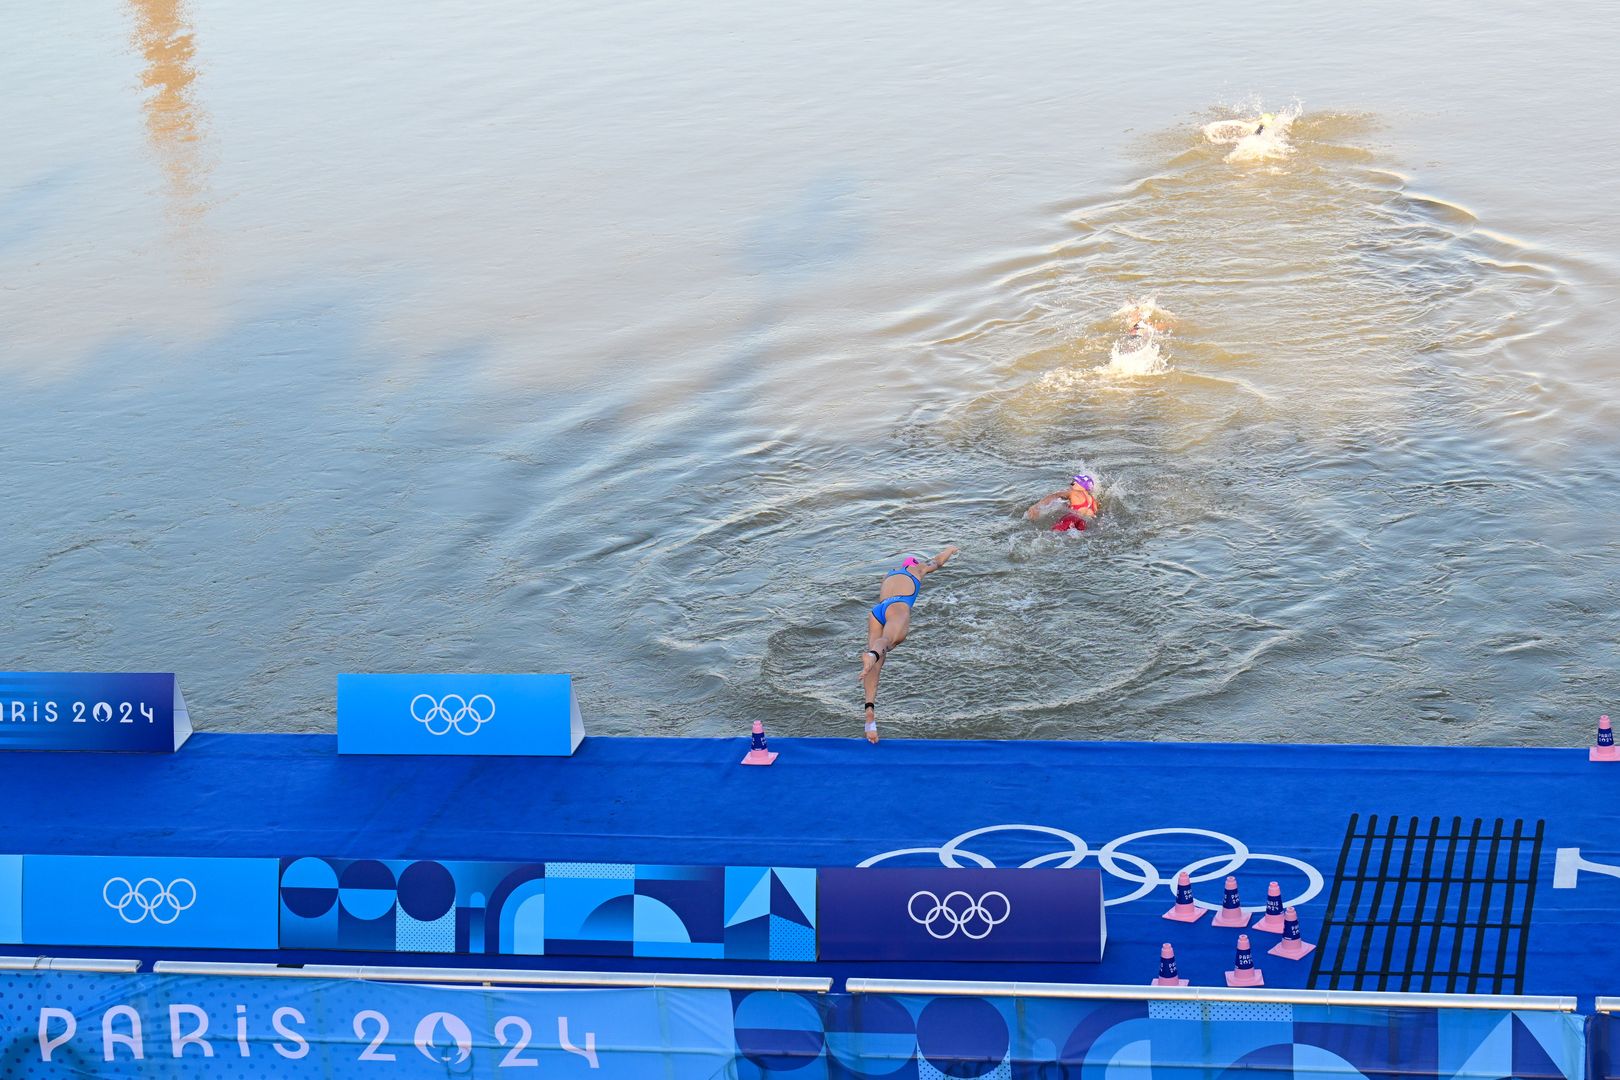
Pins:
x: 880, y: 639
x: 899, y: 624
x: 877, y: 645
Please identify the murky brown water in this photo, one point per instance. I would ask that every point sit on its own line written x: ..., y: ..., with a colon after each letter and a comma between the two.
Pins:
x: 637, y: 342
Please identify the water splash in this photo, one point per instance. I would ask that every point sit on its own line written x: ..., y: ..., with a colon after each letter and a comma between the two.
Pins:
x: 1137, y: 353
x: 1136, y: 357
x: 1263, y: 137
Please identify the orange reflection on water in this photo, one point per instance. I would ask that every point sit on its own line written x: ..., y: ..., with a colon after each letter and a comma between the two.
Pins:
x: 163, y: 35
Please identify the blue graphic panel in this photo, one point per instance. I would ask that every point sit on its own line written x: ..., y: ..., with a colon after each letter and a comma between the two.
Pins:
x: 770, y: 913
x: 620, y: 909
x: 412, y: 906
x: 84, y: 710
x: 75, y: 1024
x: 63, y: 1024
x: 875, y: 1037
x: 500, y: 715
x: 119, y: 900
x: 10, y: 899
x: 561, y: 909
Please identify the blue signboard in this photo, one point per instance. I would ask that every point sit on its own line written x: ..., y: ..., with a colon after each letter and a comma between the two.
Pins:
x: 69, y: 1024
x: 884, y: 913
x: 86, y: 710
x: 10, y: 899
x: 549, y: 909
x: 497, y: 715
x: 102, y: 1027
x: 128, y: 900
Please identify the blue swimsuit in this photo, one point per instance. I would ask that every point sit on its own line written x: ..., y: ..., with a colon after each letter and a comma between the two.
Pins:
x: 880, y: 612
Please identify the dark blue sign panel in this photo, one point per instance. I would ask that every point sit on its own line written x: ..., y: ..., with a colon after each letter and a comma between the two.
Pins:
x: 128, y: 900
x: 891, y: 913
x: 504, y: 715
x: 86, y: 710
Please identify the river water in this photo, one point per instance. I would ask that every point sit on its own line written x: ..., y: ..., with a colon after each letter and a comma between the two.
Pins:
x: 637, y: 341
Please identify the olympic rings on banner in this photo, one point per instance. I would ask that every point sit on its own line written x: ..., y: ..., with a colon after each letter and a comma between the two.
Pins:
x: 966, y: 915
x: 1135, y: 869
x: 149, y: 896
x: 464, y: 715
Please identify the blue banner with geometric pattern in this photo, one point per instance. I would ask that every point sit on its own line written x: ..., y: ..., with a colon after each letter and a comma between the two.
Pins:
x: 62, y: 1024
x: 867, y: 1037
x: 548, y: 908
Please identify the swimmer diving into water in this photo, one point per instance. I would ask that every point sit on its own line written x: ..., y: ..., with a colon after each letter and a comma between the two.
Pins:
x: 887, y: 623
x: 1080, y: 504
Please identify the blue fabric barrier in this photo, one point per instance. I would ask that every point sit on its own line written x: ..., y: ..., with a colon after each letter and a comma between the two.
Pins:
x: 1425, y: 869
x: 57, y: 1024
x: 1603, y: 1046
x: 549, y: 909
x: 64, y: 1024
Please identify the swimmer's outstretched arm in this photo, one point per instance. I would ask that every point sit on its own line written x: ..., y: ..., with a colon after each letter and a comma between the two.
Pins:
x: 928, y: 566
x: 1048, y: 504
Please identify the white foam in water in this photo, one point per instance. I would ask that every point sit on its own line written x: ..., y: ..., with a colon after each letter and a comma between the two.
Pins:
x: 1246, y: 144
x: 1138, y: 354
x: 1136, y: 357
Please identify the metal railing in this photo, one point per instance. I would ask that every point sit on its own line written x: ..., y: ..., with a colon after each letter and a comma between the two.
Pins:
x: 68, y: 963
x: 499, y: 976
x: 1256, y: 995
x: 801, y: 984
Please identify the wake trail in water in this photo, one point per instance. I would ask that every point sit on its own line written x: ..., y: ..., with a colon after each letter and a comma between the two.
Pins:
x: 1339, y: 341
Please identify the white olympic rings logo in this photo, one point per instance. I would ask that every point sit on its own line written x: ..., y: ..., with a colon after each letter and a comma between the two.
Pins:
x: 1144, y: 874
x: 465, y: 715
x: 967, y: 915
x: 149, y: 896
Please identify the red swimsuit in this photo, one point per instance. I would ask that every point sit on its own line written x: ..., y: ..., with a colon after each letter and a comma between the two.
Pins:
x: 1074, y: 521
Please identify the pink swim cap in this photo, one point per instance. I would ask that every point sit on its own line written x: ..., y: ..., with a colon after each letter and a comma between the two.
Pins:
x: 911, y: 561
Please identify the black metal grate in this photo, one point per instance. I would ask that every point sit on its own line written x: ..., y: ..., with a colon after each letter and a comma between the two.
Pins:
x: 1426, y: 909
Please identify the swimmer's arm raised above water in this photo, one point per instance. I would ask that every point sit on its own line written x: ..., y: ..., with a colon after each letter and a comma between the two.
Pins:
x: 928, y: 566
x: 1048, y: 504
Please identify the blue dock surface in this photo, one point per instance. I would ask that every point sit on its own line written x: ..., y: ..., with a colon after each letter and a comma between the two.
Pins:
x: 1424, y: 869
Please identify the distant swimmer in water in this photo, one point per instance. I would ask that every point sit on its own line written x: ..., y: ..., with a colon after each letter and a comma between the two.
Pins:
x: 1142, y: 331
x: 888, y: 622
x: 1268, y: 131
x: 1138, y: 320
x: 1079, y: 504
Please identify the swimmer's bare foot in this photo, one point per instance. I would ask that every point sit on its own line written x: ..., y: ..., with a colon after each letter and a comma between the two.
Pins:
x: 870, y: 659
x: 871, y: 725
